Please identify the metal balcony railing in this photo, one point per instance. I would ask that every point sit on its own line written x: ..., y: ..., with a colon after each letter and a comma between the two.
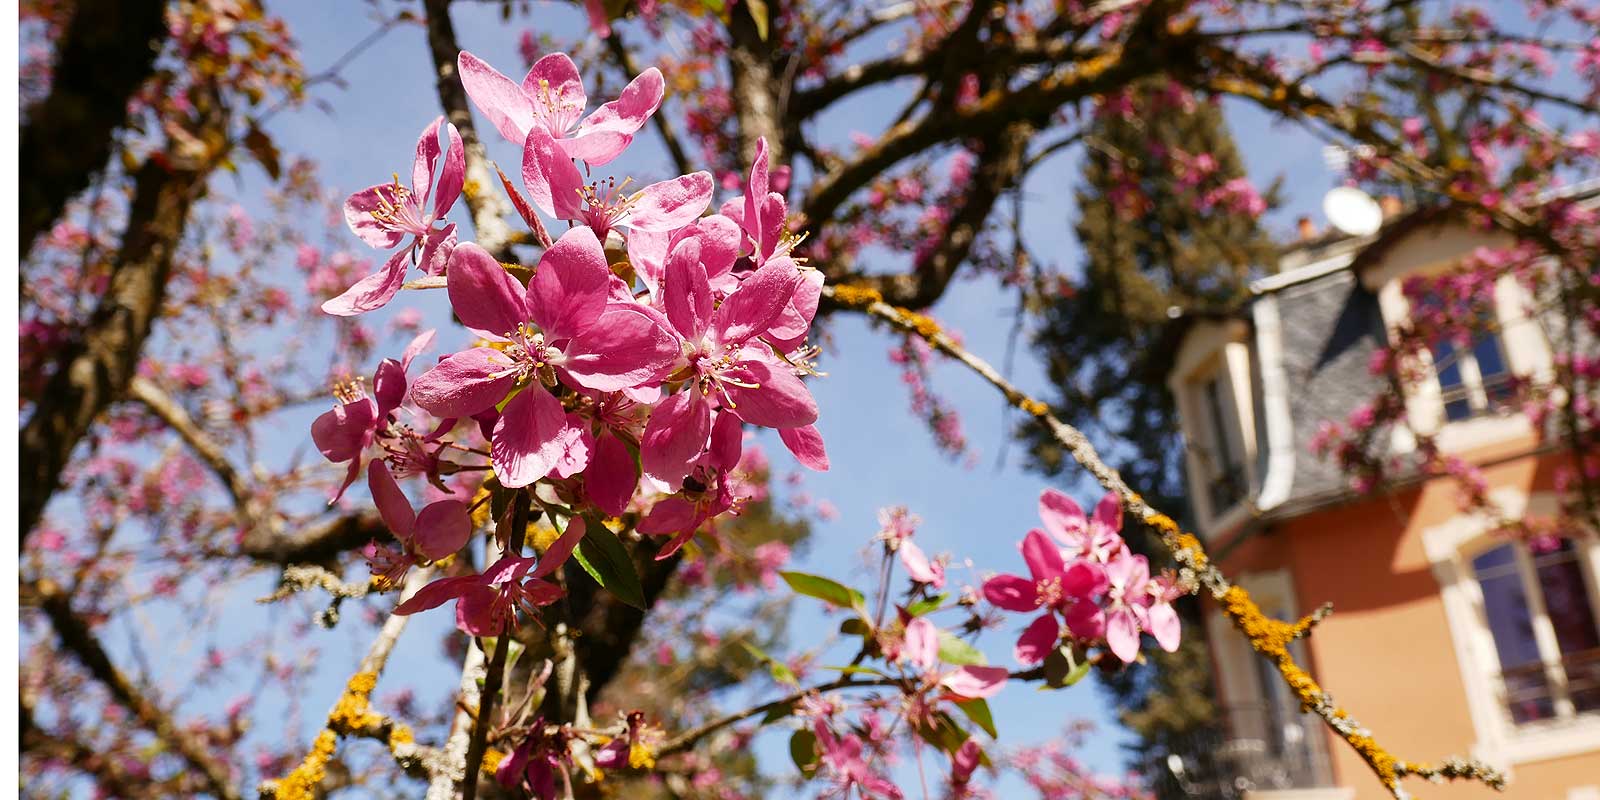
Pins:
x: 1260, y: 748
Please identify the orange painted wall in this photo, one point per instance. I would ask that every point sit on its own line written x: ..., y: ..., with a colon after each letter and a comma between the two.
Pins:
x: 1386, y: 653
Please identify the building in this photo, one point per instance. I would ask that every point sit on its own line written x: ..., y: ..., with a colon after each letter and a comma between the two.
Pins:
x: 1445, y: 639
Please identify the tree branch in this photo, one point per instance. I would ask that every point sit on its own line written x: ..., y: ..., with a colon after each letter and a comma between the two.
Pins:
x: 77, y: 638
x: 1269, y: 637
x: 105, y: 54
x: 482, y: 189
x: 94, y: 370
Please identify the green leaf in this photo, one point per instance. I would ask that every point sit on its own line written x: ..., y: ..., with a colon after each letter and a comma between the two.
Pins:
x: 857, y: 669
x: 777, y: 712
x: 977, y: 710
x: 921, y: 607
x: 803, y: 749
x: 1062, y: 668
x: 942, y: 732
x: 826, y: 590
x: 758, y: 12
x: 954, y: 650
x: 855, y: 626
x: 602, y: 555
x: 780, y: 671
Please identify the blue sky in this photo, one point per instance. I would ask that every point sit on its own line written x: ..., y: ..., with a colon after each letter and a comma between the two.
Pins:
x: 881, y: 454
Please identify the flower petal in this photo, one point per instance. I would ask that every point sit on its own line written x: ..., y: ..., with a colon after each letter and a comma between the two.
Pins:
x: 358, y: 210
x: 1062, y: 516
x: 1108, y: 512
x: 669, y: 515
x: 1164, y: 625
x: 670, y: 205
x: 426, y: 159
x: 922, y: 643
x: 919, y: 566
x: 780, y: 401
x: 343, y: 432
x: 533, y: 437
x: 1011, y: 592
x: 755, y: 305
x: 443, y: 528
x: 484, y: 296
x: 1122, y: 634
x: 676, y: 433
x: 806, y: 445
x: 372, y: 292
x: 608, y: 131
x: 1042, y: 556
x: 973, y: 682
x: 612, y: 475
x: 560, y: 550
x: 438, y: 593
x: 453, y: 176
x: 626, y: 348
x: 498, y: 97
x: 1037, y: 640
x: 465, y: 383
x: 571, y: 287
x: 1083, y: 580
x: 553, y: 181
x: 392, y: 504
x: 795, y: 319
x: 554, y: 85
x: 687, y: 292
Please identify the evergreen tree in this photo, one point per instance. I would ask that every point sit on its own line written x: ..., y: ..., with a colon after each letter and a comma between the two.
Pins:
x: 1160, y: 228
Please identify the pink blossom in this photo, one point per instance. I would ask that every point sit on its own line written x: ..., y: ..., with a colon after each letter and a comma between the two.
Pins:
x: 384, y: 215
x: 552, y: 99
x: 562, y: 328
x: 486, y: 604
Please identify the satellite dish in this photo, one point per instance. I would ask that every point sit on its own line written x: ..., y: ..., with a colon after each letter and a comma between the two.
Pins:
x: 1352, y: 211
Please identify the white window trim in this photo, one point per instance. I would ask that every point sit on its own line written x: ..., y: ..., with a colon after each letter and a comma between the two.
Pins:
x: 1526, y: 351
x: 1499, y: 742
x: 1214, y: 347
x: 1240, y: 680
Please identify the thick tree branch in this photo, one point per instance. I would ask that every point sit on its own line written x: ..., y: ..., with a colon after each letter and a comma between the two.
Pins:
x: 78, y: 639
x: 94, y: 370
x: 1108, y: 69
x: 1001, y: 163
x: 105, y: 54
x: 489, y: 208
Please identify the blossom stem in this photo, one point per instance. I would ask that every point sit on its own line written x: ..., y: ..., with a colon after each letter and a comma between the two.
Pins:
x: 497, y: 663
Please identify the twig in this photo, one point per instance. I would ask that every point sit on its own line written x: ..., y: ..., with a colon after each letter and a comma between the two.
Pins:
x: 520, y: 505
x: 77, y: 638
x: 352, y: 715
x: 1267, y: 636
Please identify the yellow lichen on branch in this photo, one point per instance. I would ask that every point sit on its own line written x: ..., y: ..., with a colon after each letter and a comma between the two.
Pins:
x: 352, y: 713
x: 1267, y: 636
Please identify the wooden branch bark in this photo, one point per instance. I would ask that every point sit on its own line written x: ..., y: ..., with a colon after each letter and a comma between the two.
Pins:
x: 489, y: 208
x: 105, y: 54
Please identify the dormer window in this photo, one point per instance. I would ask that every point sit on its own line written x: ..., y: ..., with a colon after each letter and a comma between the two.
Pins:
x: 1211, y: 381
x: 1472, y: 381
x: 1464, y: 390
x: 1221, y: 454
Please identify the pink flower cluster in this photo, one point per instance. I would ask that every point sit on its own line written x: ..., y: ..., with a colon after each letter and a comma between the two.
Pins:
x: 621, y: 372
x: 1082, y: 576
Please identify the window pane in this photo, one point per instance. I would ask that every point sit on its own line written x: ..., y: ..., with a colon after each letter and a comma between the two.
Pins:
x: 1491, y: 362
x: 1492, y: 367
x: 1448, y: 365
x: 1505, y: 608
x: 1566, y: 599
x: 1227, y: 484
